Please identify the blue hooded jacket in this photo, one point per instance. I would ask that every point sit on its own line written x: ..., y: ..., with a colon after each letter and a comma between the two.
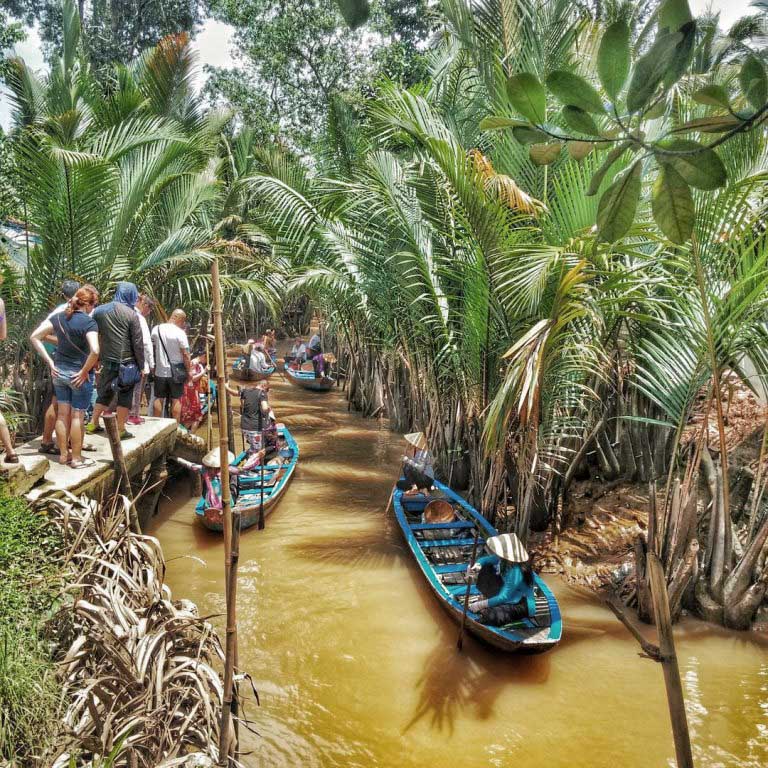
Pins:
x: 120, y: 337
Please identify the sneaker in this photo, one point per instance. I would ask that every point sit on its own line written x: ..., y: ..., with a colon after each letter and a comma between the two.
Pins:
x: 126, y: 435
x: 92, y: 429
x: 134, y: 420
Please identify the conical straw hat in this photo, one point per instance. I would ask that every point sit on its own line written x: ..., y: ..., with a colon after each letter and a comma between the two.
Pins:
x: 508, y: 547
x: 438, y: 511
x: 417, y: 440
x: 212, y: 458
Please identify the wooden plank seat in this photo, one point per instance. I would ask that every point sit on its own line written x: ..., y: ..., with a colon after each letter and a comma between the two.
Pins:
x: 452, y: 568
x: 440, y: 526
x: 435, y: 543
x: 459, y: 590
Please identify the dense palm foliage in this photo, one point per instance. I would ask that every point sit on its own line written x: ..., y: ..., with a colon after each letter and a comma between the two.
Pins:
x: 131, y: 180
x: 468, y: 290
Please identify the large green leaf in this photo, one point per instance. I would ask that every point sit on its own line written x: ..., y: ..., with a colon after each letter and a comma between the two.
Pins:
x: 711, y: 124
x: 674, y: 14
x: 712, y: 95
x: 700, y: 166
x: 613, y: 58
x: 544, y: 154
x: 580, y: 121
x: 617, y: 207
x: 753, y: 82
x: 672, y: 205
x: 497, y: 123
x: 574, y: 90
x: 610, y: 159
x: 528, y: 96
x: 650, y: 70
x: 529, y: 135
x: 683, y: 54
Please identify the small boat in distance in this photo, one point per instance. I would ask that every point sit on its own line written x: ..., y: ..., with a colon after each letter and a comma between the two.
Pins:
x: 308, y: 380
x: 277, y: 474
x: 241, y: 372
x: 443, y: 552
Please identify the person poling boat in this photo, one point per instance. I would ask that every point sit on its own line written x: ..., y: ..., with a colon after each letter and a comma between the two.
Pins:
x: 418, y: 469
x: 257, y: 419
x: 505, y: 579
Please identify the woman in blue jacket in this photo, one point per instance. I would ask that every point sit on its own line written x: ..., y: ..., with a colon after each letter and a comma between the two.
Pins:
x: 505, y: 577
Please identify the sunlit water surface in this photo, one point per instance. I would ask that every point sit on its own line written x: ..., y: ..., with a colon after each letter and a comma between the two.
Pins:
x: 356, y: 665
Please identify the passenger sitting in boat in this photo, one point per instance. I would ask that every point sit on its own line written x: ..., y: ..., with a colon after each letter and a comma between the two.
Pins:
x: 315, y: 347
x: 438, y: 511
x: 258, y: 360
x: 210, y: 469
x: 505, y: 578
x: 418, y: 470
x: 257, y: 420
x: 299, y: 348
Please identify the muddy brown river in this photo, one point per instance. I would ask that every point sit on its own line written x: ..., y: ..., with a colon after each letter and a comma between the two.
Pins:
x: 356, y: 665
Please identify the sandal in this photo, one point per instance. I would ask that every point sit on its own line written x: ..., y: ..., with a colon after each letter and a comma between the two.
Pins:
x: 81, y: 464
x: 11, y: 458
x: 49, y: 449
x: 89, y: 447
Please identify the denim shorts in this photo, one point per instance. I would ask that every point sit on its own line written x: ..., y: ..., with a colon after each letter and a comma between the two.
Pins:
x: 66, y: 392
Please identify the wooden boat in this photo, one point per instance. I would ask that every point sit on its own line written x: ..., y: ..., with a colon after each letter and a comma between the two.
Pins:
x: 242, y: 372
x: 444, y: 562
x: 277, y: 474
x: 308, y: 380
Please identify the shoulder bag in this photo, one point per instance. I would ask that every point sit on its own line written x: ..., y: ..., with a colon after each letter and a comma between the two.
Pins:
x: 178, y: 370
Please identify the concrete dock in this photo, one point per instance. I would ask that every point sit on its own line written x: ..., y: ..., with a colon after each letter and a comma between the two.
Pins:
x: 37, y: 474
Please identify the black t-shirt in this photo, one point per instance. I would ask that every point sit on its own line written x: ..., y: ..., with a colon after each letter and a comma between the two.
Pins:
x: 251, y: 417
x: 72, y: 350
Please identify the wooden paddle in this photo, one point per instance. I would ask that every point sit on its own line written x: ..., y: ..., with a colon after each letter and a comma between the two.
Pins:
x: 460, y: 641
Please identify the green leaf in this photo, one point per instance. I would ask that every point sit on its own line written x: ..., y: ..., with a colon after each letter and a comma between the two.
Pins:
x: 656, y: 111
x: 672, y: 205
x: 528, y: 96
x: 650, y: 70
x: 544, y: 154
x: 711, y: 124
x: 578, y: 150
x: 613, y: 58
x: 674, y: 14
x: 497, y: 123
x: 753, y: 82
x: 702, y: 169
x: 713, y: 96
x: 580, y: 121
x: 529, y: 135
x: 617, y: 207
x: 683, y: 54
x: 574, y: 90
x: 610, y: 159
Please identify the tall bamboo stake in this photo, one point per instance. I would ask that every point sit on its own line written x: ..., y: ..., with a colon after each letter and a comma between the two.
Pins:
x: 226, y: 510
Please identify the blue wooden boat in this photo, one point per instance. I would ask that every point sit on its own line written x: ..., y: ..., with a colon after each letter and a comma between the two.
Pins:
x: 277, y: 474
x: 444, y: 562
x: 242, y: 372
x: 308, y: 380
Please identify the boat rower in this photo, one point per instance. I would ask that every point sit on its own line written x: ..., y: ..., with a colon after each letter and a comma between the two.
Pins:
x: 418, y: 469
x: 257, y: 419
x: 505, y: 579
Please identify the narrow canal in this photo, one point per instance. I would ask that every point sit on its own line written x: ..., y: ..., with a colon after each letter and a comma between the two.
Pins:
x: 357, y: 666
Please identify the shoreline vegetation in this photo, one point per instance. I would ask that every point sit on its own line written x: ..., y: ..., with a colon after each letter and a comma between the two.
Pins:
x: 98, y: 664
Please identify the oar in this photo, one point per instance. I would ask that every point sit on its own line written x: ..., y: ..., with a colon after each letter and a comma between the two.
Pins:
x: 389, y: 503
x: 460, y: 641
x: 262, y: 522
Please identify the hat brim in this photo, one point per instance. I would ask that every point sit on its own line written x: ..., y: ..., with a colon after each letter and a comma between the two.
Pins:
x: 416, y: 439
x: 212, y: 459
x: 508, y: 547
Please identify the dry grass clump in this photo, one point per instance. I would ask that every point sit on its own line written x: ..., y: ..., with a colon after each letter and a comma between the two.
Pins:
x: 137, y: 668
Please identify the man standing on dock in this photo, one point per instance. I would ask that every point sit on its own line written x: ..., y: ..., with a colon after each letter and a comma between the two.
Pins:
x: 173, y: 364
x: 122, y: 355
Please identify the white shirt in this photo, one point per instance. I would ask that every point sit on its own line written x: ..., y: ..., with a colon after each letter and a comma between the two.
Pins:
x: 258, y: 361
x: 149, y: 350
x: 299, y: 349
x: 58, y: 309
x: 176, y: 342
x: 315, y: 343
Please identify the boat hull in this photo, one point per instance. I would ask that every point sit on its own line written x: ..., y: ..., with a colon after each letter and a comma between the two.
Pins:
x: 247, y: 374
x: 307, y: 380
x: 531, y: 635
x: 248, y: 503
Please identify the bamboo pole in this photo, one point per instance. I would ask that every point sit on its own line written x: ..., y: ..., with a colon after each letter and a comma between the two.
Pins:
x: 121, y: 469
x: 460, y: 641
x: 669, y: 662
x: 226, y: 509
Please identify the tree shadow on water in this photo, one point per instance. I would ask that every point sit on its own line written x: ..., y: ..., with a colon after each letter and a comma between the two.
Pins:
x: 455, y: 683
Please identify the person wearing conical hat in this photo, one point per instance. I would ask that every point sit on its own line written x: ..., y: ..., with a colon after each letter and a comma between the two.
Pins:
x: 210, y: 469
x: 506, y: 581
x: 418, y: 469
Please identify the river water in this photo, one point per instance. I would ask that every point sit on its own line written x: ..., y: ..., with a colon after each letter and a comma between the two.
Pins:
x: 356, y: 665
